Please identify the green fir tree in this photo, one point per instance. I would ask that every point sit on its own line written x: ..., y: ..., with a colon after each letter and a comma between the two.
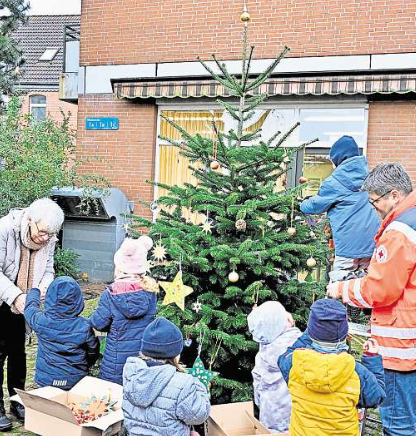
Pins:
x: 247, y: 231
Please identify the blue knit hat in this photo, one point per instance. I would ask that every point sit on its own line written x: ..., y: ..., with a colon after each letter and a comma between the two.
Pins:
x: 328, y: 321
x: 162, y: 339
x: 342, y: 149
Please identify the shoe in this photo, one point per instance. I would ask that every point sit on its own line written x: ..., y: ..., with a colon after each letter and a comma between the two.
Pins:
x: 5, y: 423
x: 17, y: 410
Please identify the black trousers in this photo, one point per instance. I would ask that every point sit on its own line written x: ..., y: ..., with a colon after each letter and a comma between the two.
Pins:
x: 12, y: 347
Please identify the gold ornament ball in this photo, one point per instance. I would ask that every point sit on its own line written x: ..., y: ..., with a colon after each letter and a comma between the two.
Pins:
x: 245, y: 16
x: 291, y: 231
x: 233, y: 277
x: 311, y: 262
x: 214, y: 165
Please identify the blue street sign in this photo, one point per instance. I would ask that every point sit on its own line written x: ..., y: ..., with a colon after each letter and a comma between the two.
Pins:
x: 101, y: 123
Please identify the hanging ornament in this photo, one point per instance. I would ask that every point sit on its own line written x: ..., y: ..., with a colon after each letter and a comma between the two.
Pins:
x: 154, y: 206
x: 203, y: 375
x: 286, y: 159
x: 126, y: 227
x: 240, y: 188
x: 233, y: 277
x: 197, y: 306
x: 187, y: 342
x: 278, y: 216
x: 240, y: 225
x: 311, y: 262
x: 291, y: 231
x: 207, y: 225
x: 312, y: 234
x: 176, y: 291
x: 148, y: 265
x: 298, y: 218
x: 159, y: 252
x: 214, y: 165
x: 303, y: 180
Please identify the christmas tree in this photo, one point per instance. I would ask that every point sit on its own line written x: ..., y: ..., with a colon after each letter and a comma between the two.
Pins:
x: 249, y: 245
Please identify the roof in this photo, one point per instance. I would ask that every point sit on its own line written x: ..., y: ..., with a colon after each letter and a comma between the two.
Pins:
x: 39, y: 33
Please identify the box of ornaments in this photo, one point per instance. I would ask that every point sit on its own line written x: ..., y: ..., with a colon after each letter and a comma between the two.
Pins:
x: 91, y: 408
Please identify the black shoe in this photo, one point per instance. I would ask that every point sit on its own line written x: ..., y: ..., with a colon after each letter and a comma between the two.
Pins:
x: 17, y: 410
x: 5, y: 423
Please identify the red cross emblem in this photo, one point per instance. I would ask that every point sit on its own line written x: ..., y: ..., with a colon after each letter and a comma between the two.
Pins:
x: 381, y: 254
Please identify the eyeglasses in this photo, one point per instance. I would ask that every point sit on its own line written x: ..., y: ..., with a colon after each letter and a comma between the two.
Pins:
x: 42, y: 233
x: 373, y: 202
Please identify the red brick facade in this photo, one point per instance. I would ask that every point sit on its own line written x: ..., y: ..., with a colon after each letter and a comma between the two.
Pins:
x: 131, y: 32
x: 126, y: 156
x: 53, y: 106
x: 392, y: 134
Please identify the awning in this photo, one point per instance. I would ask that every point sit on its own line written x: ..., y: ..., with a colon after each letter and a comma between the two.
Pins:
x: 334, y: 85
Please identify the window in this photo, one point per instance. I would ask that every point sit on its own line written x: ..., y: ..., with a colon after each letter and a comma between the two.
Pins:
x: 38, y: 107
x: 328, y: 124
x: 49, y: 54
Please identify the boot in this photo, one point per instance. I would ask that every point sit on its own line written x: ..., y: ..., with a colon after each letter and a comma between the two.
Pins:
x: 18, y: 411
x: 5, y: 423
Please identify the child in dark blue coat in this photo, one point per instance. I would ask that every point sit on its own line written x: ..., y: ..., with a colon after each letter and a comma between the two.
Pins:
x: 67, y: 345
x: 354, y: 222
x: 126, y: 307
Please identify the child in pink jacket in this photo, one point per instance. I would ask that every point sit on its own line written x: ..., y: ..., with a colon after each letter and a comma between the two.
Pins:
x: 274, y: 329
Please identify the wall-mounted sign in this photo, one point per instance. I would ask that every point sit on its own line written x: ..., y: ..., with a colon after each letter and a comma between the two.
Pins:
x: 101, y: 123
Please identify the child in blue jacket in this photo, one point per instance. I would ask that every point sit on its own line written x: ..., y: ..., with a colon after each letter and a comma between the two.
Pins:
x: 159, y: 398
x: 326, y: 384
x: 67, y: 345
x: 353, y: 220
x: 126, y: 307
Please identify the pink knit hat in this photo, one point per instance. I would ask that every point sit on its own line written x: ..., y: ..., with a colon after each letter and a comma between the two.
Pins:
x: 131, y: 257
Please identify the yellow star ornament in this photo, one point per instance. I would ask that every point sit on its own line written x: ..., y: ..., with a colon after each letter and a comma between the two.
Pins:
x: 176, y: 291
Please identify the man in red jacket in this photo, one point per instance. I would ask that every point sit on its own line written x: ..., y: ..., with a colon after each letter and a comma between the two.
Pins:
x: 390, y: 290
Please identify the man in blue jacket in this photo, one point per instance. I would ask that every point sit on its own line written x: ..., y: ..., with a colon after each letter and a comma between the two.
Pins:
x: 354, y: 222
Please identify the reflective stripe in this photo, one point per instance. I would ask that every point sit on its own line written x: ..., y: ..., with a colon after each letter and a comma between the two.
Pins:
x: 398, y: 353
x: 358, y: 296
x: 393, y: 332
x: 345, y: 295
x: 403, y: 228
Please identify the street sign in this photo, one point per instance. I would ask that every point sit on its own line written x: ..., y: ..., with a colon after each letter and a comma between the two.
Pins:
x: 101, y: 123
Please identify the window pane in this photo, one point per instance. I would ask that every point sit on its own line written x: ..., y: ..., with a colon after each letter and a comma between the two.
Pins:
x: 38, y: 99
x: 316, y: 168
x: 330, y: 124
x: 39, y: 113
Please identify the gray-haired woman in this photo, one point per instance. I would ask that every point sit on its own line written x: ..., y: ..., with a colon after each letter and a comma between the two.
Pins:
x: 27, y: 245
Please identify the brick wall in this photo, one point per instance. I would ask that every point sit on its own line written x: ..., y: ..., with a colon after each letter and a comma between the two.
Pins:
x: 53, y: 106
x: 392, y: 134
x: 127, y: 155
x: 131, y: 31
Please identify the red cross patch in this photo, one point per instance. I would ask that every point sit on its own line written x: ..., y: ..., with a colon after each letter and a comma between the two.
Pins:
x: 381, y: 254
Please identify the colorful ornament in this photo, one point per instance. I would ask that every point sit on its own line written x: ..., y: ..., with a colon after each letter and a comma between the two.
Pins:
x: 240, y: 225
x: 311, y: 262
x: 92, y: 409
x: 291, y: 231
x: 303, y: 180
x: 203, y: 375
x: 176, y: 291
x: 197, y: 306
x: 214, y: 165
x: 233, y: 277
x: 245, y: 17
x: 159, y: 252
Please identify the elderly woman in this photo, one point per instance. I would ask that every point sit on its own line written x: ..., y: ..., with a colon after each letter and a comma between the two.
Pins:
x: 27, y: 244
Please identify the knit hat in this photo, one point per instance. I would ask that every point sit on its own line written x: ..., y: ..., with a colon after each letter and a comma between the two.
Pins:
x: 162, y: 339
x: 131, y: 257
x: 342, y: 149
x: 267, y: 322
x: 328, y: 321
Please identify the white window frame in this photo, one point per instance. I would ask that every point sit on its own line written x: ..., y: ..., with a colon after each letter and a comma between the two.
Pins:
x: 37, y: 105
x: 164, y: 105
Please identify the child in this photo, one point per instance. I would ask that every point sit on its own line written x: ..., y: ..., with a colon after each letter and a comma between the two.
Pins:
x: 159, y: 398
x: 354, y: 222
x: 325, y: 382
x: 273, y: 328
x: 66, y: 342
x: 126, y: 307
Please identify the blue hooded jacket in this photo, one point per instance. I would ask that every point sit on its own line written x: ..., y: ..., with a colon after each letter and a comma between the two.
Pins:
x: 67, y: 345
x: 124, y: 311
x: 354, y: 222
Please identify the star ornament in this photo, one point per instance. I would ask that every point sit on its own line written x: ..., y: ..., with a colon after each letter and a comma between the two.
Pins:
x: 176, y: 291
x: 207, y: 227
x: 197, y: 306
x: 203, y: 375
x: 159, y: 252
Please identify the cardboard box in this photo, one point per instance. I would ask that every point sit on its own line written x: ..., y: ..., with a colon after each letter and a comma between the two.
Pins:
x: 47, y: 411
x: 236, y: 419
